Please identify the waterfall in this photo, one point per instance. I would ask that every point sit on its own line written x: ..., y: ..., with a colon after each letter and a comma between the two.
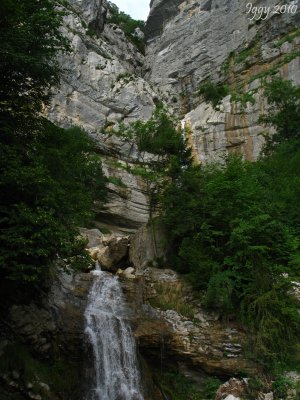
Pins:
x: 116, y: 376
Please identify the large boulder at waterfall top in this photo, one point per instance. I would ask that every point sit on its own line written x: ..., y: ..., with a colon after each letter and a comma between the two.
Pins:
x: 113, y: 253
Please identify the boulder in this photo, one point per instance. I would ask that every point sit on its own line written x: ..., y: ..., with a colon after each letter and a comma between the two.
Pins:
x: 232, y: 390
x: 93, y: 237
x: 115, y: 251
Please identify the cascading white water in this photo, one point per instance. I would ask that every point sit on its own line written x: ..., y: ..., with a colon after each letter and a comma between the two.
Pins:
x: 116, y: 376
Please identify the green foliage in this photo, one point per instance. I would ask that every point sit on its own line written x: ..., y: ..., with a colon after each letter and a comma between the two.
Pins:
x: 243, y: 98
x: 211, y: 385
x: 116, y: 181
x: 244, y: 54
x: 255, y: 385
x: 281, y: 386
x: 128, y: 25
x: 29, y: 41
x: 47, y: 187
x: 213, y: 93
x: 234, y: 233
x: 284, y: 114
x: 234, y: 230
x: 172, y: 297
x: 159, y: 136
x: 49, y: 177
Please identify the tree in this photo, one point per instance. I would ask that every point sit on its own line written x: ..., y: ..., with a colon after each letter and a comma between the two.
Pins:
x: 47, y: 190
x: 49, y: 177
x: 30, y: 38
x: 284, y: 113
x: 236, y: 246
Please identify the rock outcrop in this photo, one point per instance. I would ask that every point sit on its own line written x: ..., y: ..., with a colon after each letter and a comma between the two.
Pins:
x: 168, y: 319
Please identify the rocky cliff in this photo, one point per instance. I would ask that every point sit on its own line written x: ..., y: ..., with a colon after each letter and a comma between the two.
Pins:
x: 102, y: 86
x: 191, y: 41
x: 108, y: 81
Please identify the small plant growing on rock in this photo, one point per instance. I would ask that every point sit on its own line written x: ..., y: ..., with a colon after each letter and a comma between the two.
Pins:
x: 213, y: 93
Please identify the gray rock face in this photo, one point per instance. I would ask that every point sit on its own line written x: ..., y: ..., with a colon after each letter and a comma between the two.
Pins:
x: 199, y: 35
x: 193, y: 41
x: 160, y: 13
x: 147, y: 246
x: 93, y: 11
x: 101, y: 87
x: 187, y: 42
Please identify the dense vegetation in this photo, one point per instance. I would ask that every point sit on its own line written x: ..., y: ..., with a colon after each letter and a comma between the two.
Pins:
x: 49, y: 177
x: 234, y: 231
x: 234, y: 228
x: 128, y: 25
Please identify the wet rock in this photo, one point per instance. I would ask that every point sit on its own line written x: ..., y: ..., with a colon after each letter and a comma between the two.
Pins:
x: 269, y: 396
x: 44, y: 386
x: 129, y: 273
x: 231, y: 397
x: 34, y: 324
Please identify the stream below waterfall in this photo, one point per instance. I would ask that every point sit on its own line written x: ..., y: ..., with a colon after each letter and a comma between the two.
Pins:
x: 115, y: 365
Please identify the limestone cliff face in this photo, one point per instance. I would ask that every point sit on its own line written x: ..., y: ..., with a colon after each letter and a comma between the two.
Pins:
x: 108, y: 81
x: 101, y: 87
x: 193, y: 40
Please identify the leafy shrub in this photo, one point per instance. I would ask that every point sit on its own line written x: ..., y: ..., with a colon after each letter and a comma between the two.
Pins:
x: 47, y: 188
x: 211, y: 385
x: 28, y: 67
x: 281, y: 386
x: 172, y: 297
x: 234, y: 230
x: 213, y: 93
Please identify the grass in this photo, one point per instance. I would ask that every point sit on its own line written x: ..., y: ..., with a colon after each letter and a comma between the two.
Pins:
x: 116, y: 181
x: 287, y: 38
x: 172, y: 297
